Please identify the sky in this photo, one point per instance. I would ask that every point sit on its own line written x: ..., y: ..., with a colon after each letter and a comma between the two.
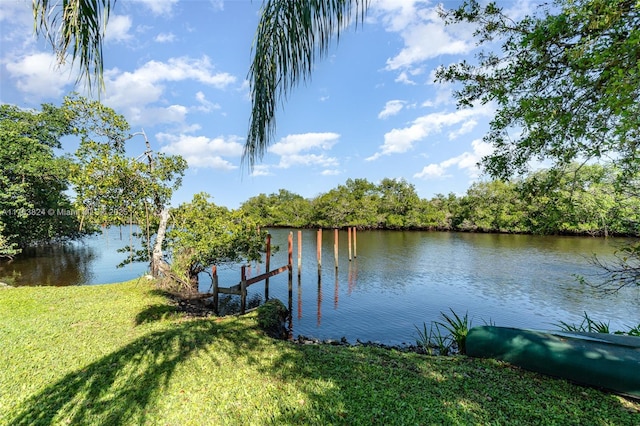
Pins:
x: 178, y: 70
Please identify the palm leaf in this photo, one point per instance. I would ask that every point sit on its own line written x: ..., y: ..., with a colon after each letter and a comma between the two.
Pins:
x: 75, y: 27
x: 291, y: 35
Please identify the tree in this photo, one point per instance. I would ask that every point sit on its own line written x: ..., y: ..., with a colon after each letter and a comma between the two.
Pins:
x: 437, y: 212
x: 33, y: 179
x: 356, y: 203
x: 583, y: 200
x: 204, y: 234
x: 7, y: 248
x: 112, y: 188
x: 566, y: 83
x: 493, y: 206
x: 398, y: 202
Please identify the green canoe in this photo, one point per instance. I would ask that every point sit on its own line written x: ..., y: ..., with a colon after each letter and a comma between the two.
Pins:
x: 606, y: 361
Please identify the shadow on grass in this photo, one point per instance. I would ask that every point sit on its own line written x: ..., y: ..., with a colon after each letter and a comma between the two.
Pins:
x: 118, y: 388
x: 155, y: 313
x: 378, y: 386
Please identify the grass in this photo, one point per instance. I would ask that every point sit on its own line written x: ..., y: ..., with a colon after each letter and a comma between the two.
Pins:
x: 120, y: 354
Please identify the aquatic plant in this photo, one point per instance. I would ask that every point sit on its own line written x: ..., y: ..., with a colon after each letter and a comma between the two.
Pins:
x: 433, y: 339
x: 458, y: 327
x: 587, y: 325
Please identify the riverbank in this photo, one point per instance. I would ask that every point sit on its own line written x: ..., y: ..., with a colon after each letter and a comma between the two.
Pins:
x: 124, y: 354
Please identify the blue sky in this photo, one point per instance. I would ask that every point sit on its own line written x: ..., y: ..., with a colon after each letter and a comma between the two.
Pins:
x: 178, y: 69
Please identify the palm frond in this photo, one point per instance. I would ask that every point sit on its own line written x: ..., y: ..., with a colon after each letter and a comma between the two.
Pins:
x: 75, y: 27
x: 291, y: 35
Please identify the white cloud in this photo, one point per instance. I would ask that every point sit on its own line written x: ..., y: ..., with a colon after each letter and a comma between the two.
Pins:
x: 205, y: 105
x: 321, y: 160
x: 39, y: 76
x: 183, y: 68
x: 403, y: 78
x: 391, y: 108
x: 417, y: 49
x: 118, y: 28
x: 17, y: 23
x: 201, y: 151
x: 290, y: 148
x: 432, y: 171
x: 423, y: 32
x: 134, y: 93
x: 261, y: 170
x: 294, y: 144
x: 330, y: 172
x: 165, y: 38
x: 397, y: 14
x: 467, y: 161
x: 519, y: 9
x: 159, y: 7
x: 466, y: 127
x: 217, y: 5
x: 398, y: 141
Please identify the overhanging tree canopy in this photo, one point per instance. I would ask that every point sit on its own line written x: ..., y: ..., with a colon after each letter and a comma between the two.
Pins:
x: 566, y: 82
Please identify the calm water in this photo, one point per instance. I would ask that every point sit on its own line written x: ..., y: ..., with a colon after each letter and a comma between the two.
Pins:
x: 398, y: 280
x: 90, y: 261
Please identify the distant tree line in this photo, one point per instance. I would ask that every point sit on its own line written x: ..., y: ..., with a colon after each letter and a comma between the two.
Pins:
x: 583, y: 200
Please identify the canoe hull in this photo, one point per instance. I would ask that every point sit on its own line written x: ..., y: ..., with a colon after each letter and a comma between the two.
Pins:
x: 605, y: 361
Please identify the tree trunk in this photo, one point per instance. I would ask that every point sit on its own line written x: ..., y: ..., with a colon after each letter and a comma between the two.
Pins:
x: 194, y: 282
x: 158, y: 266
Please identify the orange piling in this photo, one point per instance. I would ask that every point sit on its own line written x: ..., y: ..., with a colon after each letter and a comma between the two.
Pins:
x: 299, y: 253
x: 319, y: 251
x: 290, y: 264
x: 267, y: 263
x: 335, y: 247
x: 355, y: 243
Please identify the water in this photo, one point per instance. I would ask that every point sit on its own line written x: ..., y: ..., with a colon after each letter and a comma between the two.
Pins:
x: 89, y: 261
x: 399, y: 280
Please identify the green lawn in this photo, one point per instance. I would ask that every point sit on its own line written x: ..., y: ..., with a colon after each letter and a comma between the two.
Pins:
x: 119, y: 354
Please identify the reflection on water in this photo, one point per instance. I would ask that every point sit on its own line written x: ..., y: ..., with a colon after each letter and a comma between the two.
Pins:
x: 398, y: 280
x: 64, y: 264
x: 401, y: 279
x: 90, y: 261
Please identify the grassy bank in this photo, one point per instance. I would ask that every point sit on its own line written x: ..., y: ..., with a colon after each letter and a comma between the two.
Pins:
x: 120, y: 354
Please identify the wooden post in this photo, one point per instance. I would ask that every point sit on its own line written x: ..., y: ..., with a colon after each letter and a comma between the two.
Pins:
x: 319, y: 250
x: 243, y: 290
x: 299, y: 297
x: 335, y: 247
x: 290, y: 254
x: 290, y: 264
x: 299, y: 253
x: 214, y: 282
x: 267, y: 265
x: 349, y: 244
x: 355, y: 243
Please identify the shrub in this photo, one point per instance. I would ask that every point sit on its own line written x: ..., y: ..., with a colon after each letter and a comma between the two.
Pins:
x: 271, y: 318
